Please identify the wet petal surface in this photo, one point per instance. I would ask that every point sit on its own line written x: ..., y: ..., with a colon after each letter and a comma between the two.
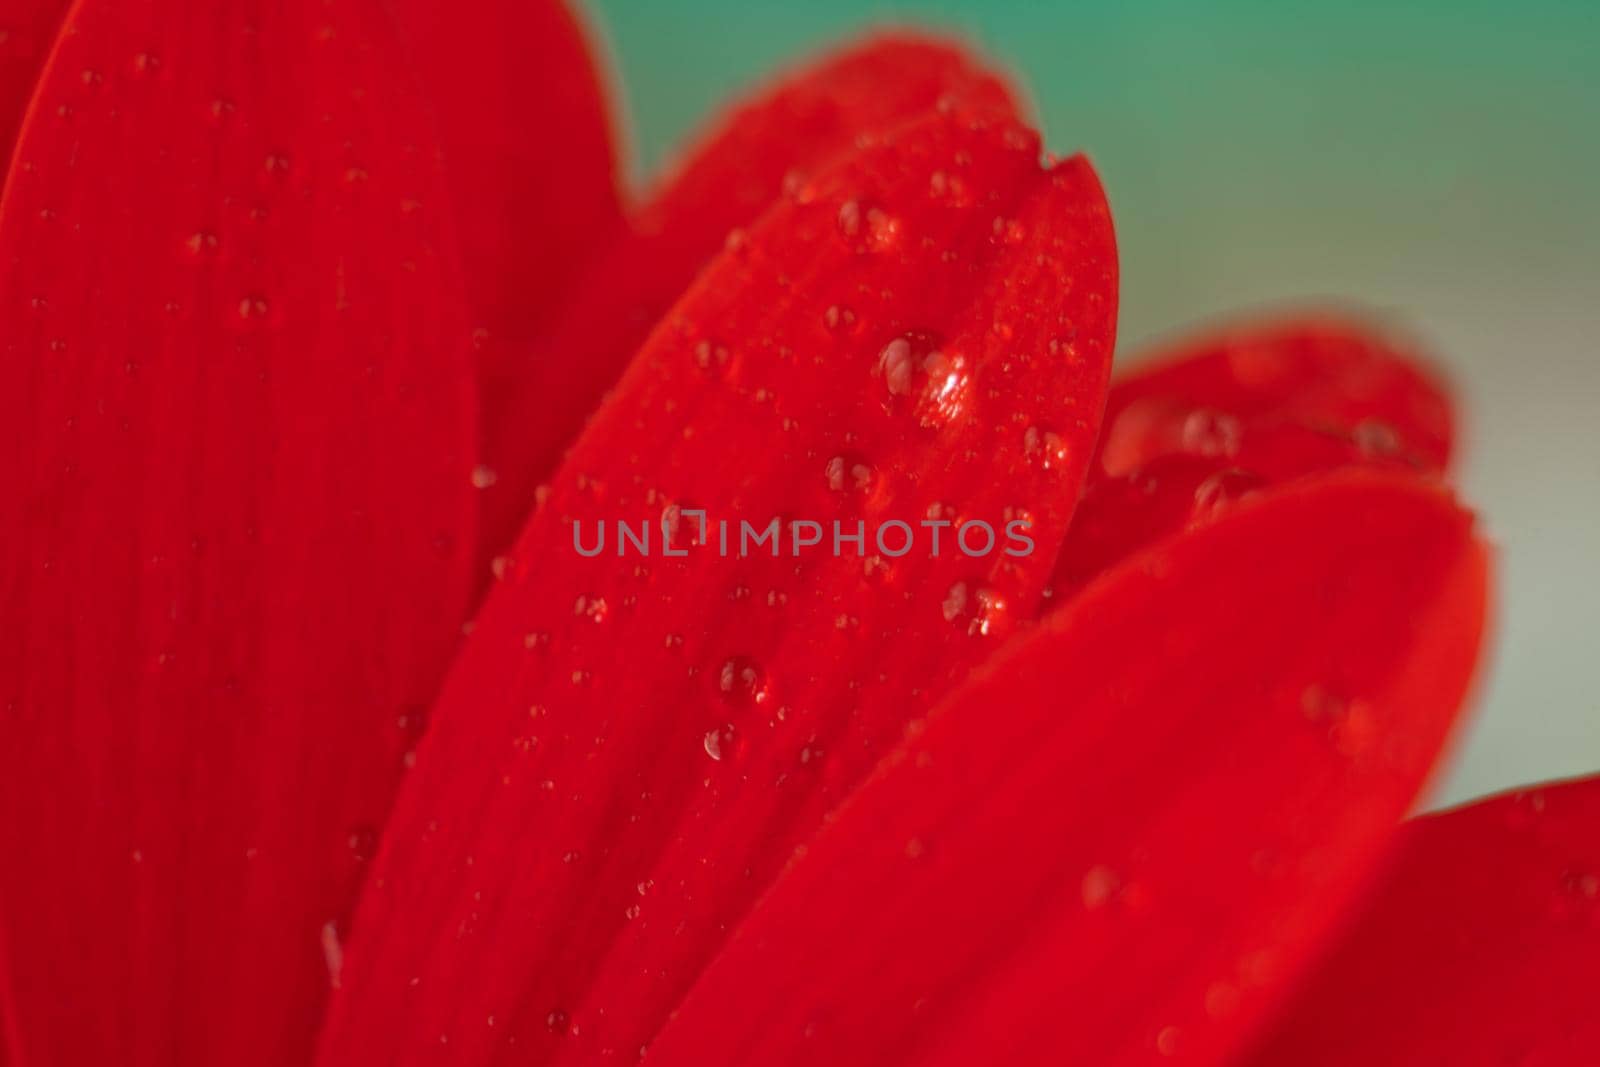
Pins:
x: 631, y: 746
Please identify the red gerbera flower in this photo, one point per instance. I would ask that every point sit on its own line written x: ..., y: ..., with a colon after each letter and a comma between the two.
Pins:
x: 305, y: 305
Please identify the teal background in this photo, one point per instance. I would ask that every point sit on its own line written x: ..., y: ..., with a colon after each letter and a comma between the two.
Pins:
x: 1435, y: 162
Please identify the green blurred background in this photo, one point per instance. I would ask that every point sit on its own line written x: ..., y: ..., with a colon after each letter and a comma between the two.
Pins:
x: 1436, y: 162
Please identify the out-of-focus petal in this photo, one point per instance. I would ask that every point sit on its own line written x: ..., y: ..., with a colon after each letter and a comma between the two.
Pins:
x: 1345, y: 378
x: 1130, y: 833
x: 1481, y: 949
x: 235, y: 458
x: 531, y: 168
x: 1210, y: 422
x: 27, y: 29
x: 740, y: 168
x: 630, y: 747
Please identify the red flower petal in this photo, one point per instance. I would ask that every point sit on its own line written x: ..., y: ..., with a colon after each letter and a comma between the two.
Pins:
x: 1129, y: 834
x: 532, y: 176
x: 527, y: 147
x: 1481, y: 949
x: 1214, y: 421
x: 1326, y: 374
x: 27, y: 28
x: 740, y: 169
x: 235, y: 437
x: 631, y: 747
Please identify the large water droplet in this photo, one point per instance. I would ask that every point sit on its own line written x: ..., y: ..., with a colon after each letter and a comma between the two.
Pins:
x: 742, y: 682
x: 914, y: 365
x: 720, y: 742
x: 896, y: 366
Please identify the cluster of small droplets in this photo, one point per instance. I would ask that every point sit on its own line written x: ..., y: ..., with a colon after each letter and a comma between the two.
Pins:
x: 593, y: 608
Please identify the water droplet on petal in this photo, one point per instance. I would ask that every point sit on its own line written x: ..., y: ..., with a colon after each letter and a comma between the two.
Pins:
x: 977, y: 608
x: 201, y: 243
x: 742, y: 682
x: 363, y: 842
x: 838, y: 318
x: 712, y: 357
x: 1100, y: 885
x: 1044, y: 447
x: 719, y: 742
x: 1211, y: 433
x: 332, y: 953
x: 894, y: 363
x: 846, y: 473
x: 1376, y: 439
x: 1222, y: 491
x: 1009, y: 231
x: 867, y: 227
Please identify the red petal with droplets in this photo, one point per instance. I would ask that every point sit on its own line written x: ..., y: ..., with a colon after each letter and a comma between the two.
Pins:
x: 630, y: 748
x: 1211, y: 422
x: 27, y: 29
x: 1481, y: 949
x: 1132, y: 830
x: 530, y: 166
x: 739, y: 169
x: 1341, y: 378
x: 235, y: 437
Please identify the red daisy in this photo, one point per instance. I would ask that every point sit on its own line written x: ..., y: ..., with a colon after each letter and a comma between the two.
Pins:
x: 306, y: 304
